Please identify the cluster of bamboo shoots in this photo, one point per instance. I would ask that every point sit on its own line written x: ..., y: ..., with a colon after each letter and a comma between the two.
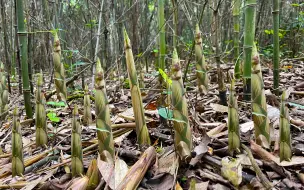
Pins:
x: 3, y: 92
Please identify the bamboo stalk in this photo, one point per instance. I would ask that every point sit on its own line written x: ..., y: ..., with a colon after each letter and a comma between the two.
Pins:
x: 183, y: 134
x: 77, y: 162
x: 141, y: 126
x: 87, y: 116
x: 59, y: 70
x: 103, y: 122
x: 276, y: 44
x: 201, y: 66
x: 236, y: 46
x: 138, y: 170
x: 259, y: 106
x: 233, y: 121
x: 40, y: 121
x: 24, y: 59
x: 17, y: 153
x: 250, y: 14
x: 285, y: 138
x: 162, y: 34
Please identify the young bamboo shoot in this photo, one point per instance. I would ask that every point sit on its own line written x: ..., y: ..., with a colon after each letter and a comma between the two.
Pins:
x: 201, y: 66
x: 77, y: 162
x: 87, y: 116
x: 103, y: 122
x: 17, y: 147
x: 259, y: 106
x: 233, y: 121
x: 183, y: 134
x: 41, y: 133
x: 3, y: 92
x: 59, y: 70
x: 285, y: 139
x: 141, y: 126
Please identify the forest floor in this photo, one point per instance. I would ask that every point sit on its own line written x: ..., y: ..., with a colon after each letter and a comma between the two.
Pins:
x: 211, y: 166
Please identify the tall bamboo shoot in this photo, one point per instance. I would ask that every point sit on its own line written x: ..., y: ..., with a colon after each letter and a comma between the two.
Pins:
x: 77, y: 162
x: 201, y: 66
x: 233, y: 121
x: 183, y: 134
x: 41, y: 133
x: 141, y: 126
x: 285, y: 139
x: 103, y: 122
x: 259, y: 106
x: 59, y: 70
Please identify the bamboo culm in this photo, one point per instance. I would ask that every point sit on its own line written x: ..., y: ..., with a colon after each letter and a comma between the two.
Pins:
x: 276, y: 44
x: 236, y: 43
x: 24, y: 59
x: 249, y: 32
x: 103, y: 122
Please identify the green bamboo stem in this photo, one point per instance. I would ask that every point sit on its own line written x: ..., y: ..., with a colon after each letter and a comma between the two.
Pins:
x: 24, y: 61
x: 175, y: 22
x: 87, y: 116
x: 76, y: 146
x: 103, y: 122
x: 285, y: 138
x: 201, y: 66
x: 41, y: 131
x: 276, y: 44
x: 259, y: 106
x: 141, y: 126
x: 17, y: 147
x: 162, y: 34
x: 183, y: 134
x: 3, y: 92
x: 236, y: 43
x: 233, y: 122
x: 249, y: 32
x: 59, y: 70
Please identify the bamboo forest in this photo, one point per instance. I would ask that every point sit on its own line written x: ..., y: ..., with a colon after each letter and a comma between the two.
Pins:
x: 152, y: 94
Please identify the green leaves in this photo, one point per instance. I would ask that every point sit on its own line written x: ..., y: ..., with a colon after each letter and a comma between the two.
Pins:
x: 165, y: 113
x: 56, y: 104
x: 53, y: 117
x: 165, y: 76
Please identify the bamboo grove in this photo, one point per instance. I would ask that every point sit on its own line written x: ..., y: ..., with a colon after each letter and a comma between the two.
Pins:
x: 247, y: 72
